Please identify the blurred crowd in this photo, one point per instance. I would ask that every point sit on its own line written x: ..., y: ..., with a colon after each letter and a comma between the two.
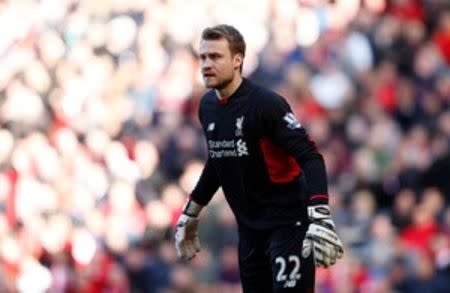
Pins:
x: 100, y: 143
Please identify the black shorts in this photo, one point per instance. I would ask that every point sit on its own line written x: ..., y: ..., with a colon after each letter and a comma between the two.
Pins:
x: 271, y: 260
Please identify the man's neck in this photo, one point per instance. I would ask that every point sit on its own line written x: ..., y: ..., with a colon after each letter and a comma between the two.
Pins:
x: 230, y: 89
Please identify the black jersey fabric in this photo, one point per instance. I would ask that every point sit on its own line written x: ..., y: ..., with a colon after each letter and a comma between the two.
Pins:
x: 261, y: 156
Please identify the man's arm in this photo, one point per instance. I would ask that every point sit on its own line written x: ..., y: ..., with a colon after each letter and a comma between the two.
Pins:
x: 208, y: 183
x: 187, y: 243
x: 285, y: 130
x: 206, y: 186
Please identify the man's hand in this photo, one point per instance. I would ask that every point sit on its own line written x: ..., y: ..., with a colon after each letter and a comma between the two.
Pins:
x: 321, y: 238
x: 186, y: 237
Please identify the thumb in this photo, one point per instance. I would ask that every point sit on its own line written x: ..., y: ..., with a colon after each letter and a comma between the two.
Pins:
x: 179, y: 249
x: 307, y: 248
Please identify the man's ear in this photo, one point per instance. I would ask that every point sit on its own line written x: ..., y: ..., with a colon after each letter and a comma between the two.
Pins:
x: 238, y: 59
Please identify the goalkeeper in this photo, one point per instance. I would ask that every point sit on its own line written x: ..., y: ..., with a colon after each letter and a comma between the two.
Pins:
x: 271, y: 172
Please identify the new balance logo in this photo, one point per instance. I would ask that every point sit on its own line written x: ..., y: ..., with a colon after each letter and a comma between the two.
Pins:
x: 292, y: 121
x: 210, y: 126
x: 290, y: 284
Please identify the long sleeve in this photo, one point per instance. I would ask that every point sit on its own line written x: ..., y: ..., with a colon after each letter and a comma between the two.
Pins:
x: 287, y: 132
x: 206, y: 186
x: 208, y: 182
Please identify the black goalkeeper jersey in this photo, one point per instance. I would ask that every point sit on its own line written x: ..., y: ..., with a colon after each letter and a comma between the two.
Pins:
x: 261, y: 156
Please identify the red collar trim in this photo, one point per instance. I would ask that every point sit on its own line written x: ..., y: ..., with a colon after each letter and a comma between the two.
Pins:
x: 223, y: 101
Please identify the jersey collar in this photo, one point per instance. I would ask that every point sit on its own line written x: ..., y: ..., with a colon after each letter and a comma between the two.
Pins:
x: 241, y: 90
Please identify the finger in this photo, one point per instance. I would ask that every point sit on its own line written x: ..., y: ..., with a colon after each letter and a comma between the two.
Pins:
x: 197, y: 244
x: 306, y: 248
x: 318, y: 258
x: 190, y: 255
x: 190, y: 250
x: 194, y: 250
x: 180, y: 246
x: 333, y: 252
x: 333, y: 255
x: 318, y: 253
x: 326, y: 252
x: 194, y: 247
x: 340, y: 252
x: 339, y: 249
x: 331, y: 260
x: 187, y: 250
x: 323, y: 248
x: 325, y: 260
x: 179, y: 250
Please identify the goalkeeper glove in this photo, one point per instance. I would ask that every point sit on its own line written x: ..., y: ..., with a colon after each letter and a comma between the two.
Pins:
x: 321, y: 238
x: 187, y: 243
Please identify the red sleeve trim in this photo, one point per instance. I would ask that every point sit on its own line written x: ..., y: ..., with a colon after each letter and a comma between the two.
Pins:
x: 319, y: 196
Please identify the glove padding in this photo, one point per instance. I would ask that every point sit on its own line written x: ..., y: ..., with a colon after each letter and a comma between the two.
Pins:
x: 321, y: 238
x: 187, y: 243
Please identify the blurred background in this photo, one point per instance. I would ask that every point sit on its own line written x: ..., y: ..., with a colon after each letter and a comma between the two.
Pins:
x: 100, y: 143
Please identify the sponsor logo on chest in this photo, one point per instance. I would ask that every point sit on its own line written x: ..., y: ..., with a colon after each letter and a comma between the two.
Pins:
x: 228, y: 148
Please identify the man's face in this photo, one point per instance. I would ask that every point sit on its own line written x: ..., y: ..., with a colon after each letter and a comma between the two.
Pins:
x: 218, y: 65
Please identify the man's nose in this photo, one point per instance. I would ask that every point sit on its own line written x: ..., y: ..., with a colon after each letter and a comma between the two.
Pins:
x: 206, y: 64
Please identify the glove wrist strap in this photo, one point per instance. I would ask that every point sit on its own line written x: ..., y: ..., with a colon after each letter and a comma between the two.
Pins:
x: 319, y: 212
x: 192, y: 208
